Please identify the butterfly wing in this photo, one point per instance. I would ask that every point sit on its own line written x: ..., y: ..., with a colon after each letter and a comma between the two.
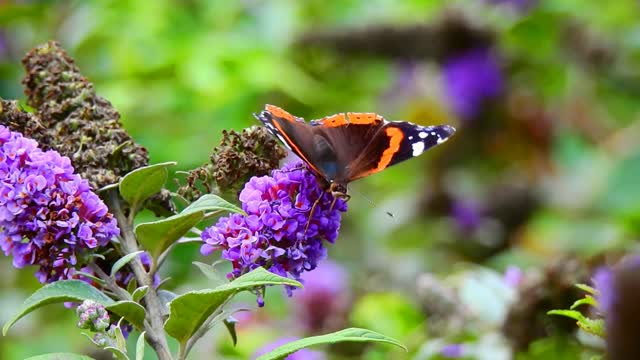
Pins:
x: 327, y: 145
x: 293, y: 132
x: 348, y: 146
x: 349, y: 134
x: 395, y: 142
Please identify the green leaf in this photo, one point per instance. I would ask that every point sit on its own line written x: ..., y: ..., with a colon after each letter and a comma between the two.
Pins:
x: 138, y: 185
x: 121, y: 342
x: 589, y: 300
x: 211, y: 273
x: 130, y: 311
x: 189, y: 311
x: 140, y: 346
x: 230, y: 324
x: 132, y: 285
x: 211, y: 202
x: 157, y: 236
x: 592, y: 326
x: 573, y: 314
x: 587, y: 288
x: 351, y: 334
x: 57, y: 292
x: 60, y: 356
x: 139, y: 293
x: 117, y: 353
x: 123, y: 261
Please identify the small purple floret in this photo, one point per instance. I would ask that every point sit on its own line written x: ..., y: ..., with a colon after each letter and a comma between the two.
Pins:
x: 452, y: 351
x: 603, y: 282
x: 274, y: 233
x: 49, y: 216
x: 471, y: 78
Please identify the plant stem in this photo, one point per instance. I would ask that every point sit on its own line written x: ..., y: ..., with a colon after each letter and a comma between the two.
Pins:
x: 121, y: 293
x: 154, y: 324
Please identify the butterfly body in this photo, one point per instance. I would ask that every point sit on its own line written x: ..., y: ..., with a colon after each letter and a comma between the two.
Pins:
x: 344, y: 147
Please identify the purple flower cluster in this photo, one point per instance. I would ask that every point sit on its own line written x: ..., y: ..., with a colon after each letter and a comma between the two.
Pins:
x: 323, y: 304
x: 518, y: 5
x: 603, y: 282
x: 48, y: 215
x: 274, y: 233
x: 471, y: 78
x: 452, y: 351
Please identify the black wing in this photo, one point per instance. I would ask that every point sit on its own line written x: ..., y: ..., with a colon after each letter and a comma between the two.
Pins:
x: 395, y: 142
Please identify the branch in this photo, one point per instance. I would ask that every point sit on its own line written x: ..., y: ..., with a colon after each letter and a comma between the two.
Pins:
x: 154, y: 324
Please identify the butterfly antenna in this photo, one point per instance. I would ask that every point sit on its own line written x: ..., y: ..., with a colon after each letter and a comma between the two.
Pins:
x: 371, y: 202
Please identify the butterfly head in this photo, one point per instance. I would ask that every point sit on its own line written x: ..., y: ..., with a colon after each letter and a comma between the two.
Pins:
x: 339, y: 191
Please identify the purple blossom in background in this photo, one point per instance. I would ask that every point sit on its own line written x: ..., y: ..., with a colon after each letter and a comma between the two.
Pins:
x: 323, y: 304
x: 513, y: 276
x: 273, y: 233
x: 304, y: 354
x: 603, y: 282
x: 452, y: 351
x: 48, y: 215
x: 518, y: 5
x: 471, y: 78
x: 466, y: 214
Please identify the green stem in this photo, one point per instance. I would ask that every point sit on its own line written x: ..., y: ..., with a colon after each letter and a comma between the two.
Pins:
x: 154, y: 323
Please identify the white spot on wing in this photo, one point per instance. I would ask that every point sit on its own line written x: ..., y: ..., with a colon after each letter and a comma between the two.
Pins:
x: 418, y: 148
x: 422, y: 135
x: 410, y: 137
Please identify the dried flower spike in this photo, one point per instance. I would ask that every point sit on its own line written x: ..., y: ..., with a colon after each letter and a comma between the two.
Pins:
x: 76, y: 121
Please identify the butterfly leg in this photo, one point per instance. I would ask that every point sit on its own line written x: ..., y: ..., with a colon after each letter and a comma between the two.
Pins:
x: 345, y: 197
x: 313, y: 208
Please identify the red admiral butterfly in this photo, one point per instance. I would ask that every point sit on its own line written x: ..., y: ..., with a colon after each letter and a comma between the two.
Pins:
x: 344, y: 147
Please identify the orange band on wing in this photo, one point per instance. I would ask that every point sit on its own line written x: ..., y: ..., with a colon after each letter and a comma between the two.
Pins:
x: 334, y: 120
x: 395, y: 139
x: 350, y: 118
x: 279, y: 112
x: 364, y: 118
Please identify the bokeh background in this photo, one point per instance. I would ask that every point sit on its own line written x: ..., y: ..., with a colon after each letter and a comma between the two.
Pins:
x: 540, y: 186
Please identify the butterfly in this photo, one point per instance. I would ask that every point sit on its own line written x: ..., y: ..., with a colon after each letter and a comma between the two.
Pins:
x: 348, y: 146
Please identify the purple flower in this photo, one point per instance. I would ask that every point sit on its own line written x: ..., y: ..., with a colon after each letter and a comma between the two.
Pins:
x: 323, y: 304
x: 513, y: 276
x: 49, y: 216
x: 466, y: 214
x: 471, y: 78
x: 603, y: 282
x: 518, y: 5
x: 279, y: 232
x: 452, y: 351
x: 304, y: 354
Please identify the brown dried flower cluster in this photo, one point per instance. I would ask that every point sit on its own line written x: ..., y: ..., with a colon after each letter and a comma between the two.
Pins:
x: 74, y: 120
x: 252, y: 152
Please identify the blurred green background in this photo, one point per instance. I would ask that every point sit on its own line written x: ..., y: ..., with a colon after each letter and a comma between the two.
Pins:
x: 540, y: 185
